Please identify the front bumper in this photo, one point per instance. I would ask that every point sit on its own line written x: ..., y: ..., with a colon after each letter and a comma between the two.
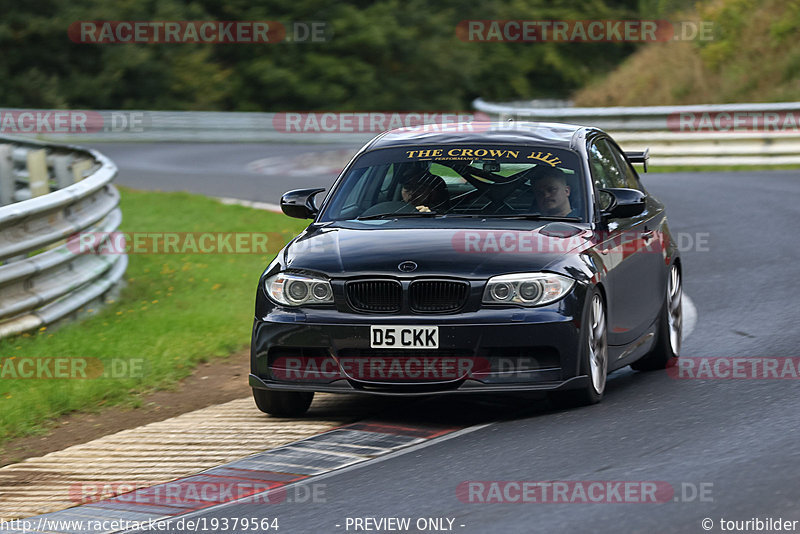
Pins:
x: 398, y: 391
x: 491, y: 349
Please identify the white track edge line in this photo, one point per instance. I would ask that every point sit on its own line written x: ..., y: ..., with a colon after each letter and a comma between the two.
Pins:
x: 327, y: 474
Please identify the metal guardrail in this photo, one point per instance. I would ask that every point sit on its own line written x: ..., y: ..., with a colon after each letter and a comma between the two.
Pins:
x: 48, y: 193
x: 659, y: 128
x: 636, y: 127
x: 188, y: 126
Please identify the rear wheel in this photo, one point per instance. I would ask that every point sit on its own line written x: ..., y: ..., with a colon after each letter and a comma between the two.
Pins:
x: 283, y: 403
x: 594, y: 361
x: 670, y: 328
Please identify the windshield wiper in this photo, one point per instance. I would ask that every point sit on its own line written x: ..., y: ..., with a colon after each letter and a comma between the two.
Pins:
x: 396, y: 215
x: 526, y: 216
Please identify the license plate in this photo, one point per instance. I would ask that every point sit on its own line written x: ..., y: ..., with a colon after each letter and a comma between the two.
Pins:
x: 404, y: 337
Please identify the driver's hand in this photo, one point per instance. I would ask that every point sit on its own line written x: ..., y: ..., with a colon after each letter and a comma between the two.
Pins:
x: 424, y: 209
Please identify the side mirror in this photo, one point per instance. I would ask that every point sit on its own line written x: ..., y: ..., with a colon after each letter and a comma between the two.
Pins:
x: 300, y: 203
x: 620, y: 203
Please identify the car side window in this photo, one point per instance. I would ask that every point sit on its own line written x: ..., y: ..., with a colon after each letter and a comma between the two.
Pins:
x: 364, y: 189
x: 351, y: 200
x: 605, y: 168
x: 629, y: 176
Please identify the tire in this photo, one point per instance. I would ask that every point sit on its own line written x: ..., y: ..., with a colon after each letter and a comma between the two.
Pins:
x: 594, y: 358
x: 667, y: 348
x: 283, y: 403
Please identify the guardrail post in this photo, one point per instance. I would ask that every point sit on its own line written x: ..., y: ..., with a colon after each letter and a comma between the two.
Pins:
x: 79, y: 167
x: 7, y: 180
x: 39, y: 178
x: 62, y: 171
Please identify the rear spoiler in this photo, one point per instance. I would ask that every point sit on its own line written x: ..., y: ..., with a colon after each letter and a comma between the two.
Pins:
x: 639, y: 157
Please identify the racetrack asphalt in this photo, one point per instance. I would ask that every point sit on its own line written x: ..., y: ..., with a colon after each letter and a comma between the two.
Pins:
x: 736, y: 440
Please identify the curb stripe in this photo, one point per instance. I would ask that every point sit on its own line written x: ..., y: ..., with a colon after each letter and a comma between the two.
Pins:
x: 266, y: 473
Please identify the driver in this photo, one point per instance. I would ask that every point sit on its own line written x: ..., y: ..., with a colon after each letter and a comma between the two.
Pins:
x: 552, y: 194
x: 418, y: 192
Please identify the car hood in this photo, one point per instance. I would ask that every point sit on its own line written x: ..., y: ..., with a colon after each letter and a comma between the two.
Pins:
x: 471, y: 251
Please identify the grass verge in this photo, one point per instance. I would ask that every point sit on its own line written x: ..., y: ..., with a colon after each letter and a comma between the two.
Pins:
x: 176, y: 311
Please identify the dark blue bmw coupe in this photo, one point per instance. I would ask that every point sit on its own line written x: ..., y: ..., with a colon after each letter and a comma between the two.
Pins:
x: 472, y: 257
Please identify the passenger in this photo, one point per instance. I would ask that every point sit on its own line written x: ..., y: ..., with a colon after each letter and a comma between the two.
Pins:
x: 552, y: 194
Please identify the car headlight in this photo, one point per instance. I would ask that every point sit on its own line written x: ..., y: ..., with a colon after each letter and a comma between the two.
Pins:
x: 296, y: 290
x: 527, y: 289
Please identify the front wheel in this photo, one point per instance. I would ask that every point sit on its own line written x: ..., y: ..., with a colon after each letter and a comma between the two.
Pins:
x: 283, y: 403
x: 670, y: 328
x: 594, y: 360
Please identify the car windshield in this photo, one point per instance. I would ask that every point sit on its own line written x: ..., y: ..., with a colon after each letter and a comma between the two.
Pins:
x: 461, y: 181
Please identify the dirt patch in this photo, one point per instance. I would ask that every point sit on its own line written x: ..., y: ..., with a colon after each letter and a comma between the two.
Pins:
x: 209, y: 384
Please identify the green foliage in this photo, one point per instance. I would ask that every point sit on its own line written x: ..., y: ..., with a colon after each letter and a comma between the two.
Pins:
x: 383, y: 55
x: 752, y: 56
